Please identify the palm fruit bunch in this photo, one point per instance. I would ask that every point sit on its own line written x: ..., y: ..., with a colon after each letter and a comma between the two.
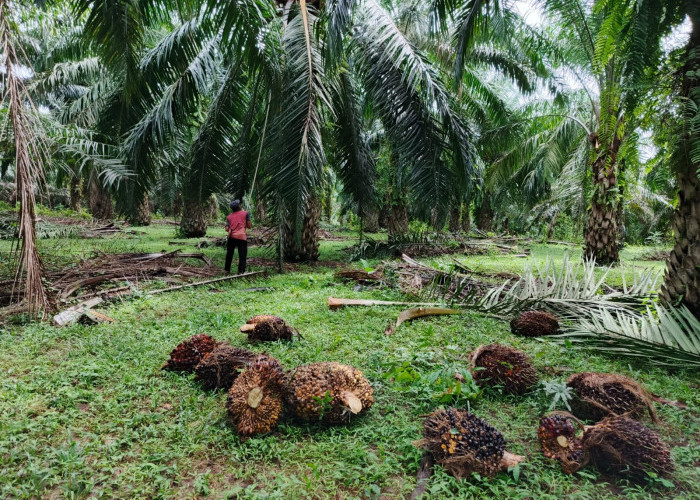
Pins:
x: 463, y: 443
x: 220, y: 367
x: 497, y: 364
x: 619, y: 444
x: 265, y: 328
x: 601, y: 395
x: 254, y: 402
x: 557, y: 436
x: 534, y: 324
x: 188, y: 353
x: 626, y: 446
x: 328, y: 392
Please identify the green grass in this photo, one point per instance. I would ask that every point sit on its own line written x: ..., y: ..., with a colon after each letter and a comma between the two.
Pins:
x: 86, y: 410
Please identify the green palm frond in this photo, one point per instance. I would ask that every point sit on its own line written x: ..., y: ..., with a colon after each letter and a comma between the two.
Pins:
x: 297, y: 156
x: 117, y: 29
x: 352, y: 154
x: 663, y: 336
x: 338, y: 16
x: 240, y: 23
x: 69, y: 74
x: 87, y: 154
x: 88, y: 110
x: 422, y: 126
x: 209, y: 161
x: 570, y: 289
x: 173, y: 101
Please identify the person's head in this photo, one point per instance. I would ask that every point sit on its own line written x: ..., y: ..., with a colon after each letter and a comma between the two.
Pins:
x: 236, y: 205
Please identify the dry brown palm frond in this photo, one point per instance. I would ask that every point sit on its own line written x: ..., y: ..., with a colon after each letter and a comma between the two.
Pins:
x: 28, y: 167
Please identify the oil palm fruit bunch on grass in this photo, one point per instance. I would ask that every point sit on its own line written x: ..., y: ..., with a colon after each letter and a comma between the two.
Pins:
x: 220, y: 367
x: 254, y: 402
x: 602, y: 395
x: 463, y: 443
x: 534, y: 324
x: 627, y: 447
x: 329, y: 392
x: 619, y: 444
x: 499, y: 365
x: 557, y: 436
x: 188, y: 353
x: 266, y: 328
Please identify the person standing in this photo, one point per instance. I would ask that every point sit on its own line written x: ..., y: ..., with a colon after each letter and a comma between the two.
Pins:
x: 236, y: 224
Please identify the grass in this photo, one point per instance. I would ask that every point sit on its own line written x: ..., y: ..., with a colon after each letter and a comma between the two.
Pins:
x: 85, y: 411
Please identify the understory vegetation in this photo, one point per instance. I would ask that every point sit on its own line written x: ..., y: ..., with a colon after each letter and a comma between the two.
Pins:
x: 474, y: 265
x: 86, y: 410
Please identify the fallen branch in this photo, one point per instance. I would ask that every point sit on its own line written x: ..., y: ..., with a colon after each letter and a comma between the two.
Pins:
x: 74, y: 313
x: 419, y: 312
x: 199, y: 283
x: 336, y: 303
x: 424, y: 472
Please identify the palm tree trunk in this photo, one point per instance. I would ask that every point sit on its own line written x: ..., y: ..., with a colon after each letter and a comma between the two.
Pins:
x: 100, y: 201
x: 194, y: 219
x: 682, y: 278
x: 370, y: 220
x: 601, y: 229
x: 620, y: 213
x: 397, y: 222
x: 383, y: 217
x: 307, y: 248
x: 454, y: 219
x: 466, y: 218
x: 484, y: 214
x: 435, y: 221
x: 177, y: 205
x: 75, y: 193
x: 141, y: 215
x: 260, y: 212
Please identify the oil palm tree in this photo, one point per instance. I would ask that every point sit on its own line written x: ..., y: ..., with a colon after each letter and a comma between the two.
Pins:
x: 260, y: 89
x: 682, y: 279
x: 594, y: 128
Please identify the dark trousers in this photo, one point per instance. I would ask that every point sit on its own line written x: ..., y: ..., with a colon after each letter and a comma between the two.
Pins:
x: 231, y: 246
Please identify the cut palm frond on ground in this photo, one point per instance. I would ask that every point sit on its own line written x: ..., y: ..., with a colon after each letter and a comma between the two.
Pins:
x: 668, y: 337
x: 568, y: 290
x: 419, y: 312
x: 593, y: 315
x: 337, y: 303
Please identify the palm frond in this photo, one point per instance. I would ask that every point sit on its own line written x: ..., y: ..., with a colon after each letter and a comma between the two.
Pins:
x: 570, y: 290
x: 411, y: 101
x: 353, y: 155
x: 665, y: 337
x: 296, y: 144
x: 338, y: 15
x: 210, y: 155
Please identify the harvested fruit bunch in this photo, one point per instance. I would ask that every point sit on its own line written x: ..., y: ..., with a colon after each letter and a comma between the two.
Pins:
x: 534, y: 324
x: 265, y: 328
x: 329, y: 392
x: 557, y: 436
x: 220, y: 367
x: 261, y: 318
x: 619, y: 444
x: 463, y: 443
x: 626, y: 446
x: 188, y: 353
x: 602, y: 395
x: 497, y: 364
x: 254, y: 402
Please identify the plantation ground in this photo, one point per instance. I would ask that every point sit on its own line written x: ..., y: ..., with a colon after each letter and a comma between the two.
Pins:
x: 86, y: 411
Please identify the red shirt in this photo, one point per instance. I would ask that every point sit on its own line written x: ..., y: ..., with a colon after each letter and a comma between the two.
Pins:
x: 235, y: 224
